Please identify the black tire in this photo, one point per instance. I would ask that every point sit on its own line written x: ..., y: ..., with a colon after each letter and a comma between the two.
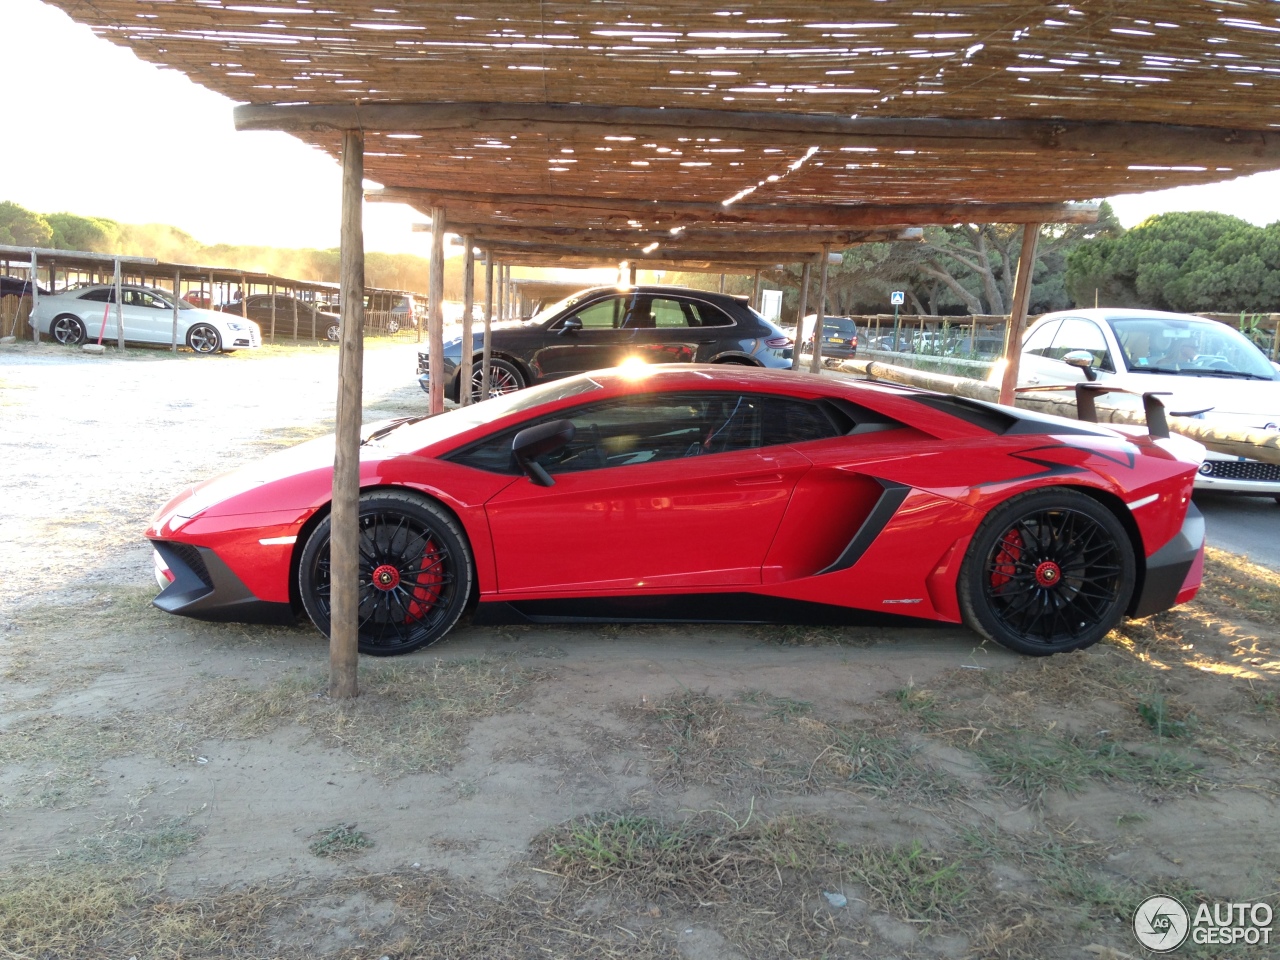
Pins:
x: 393, y: 327
x: 333, y: 332
x: 67, y: 329
x: 420, y: 555
x: 1047, y: 572
x: 504, y: 377
x: 204, y: 339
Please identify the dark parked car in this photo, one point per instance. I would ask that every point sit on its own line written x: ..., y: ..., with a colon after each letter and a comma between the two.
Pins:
x: 312, y: 321
x: 839, y: 336
x: 606, y: 326
x: 14, y: 287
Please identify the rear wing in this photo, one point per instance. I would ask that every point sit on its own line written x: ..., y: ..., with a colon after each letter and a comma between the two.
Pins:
x: 1087, y: 409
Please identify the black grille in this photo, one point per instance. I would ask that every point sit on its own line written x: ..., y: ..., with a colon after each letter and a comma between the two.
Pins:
x: 1242, y: 470
x: 190, y: 556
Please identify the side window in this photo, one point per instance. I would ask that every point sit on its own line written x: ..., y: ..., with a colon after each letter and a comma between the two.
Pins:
x: 602, y: 315
x: 1041, y: 338
x: 672, y: 313
x: 793, y: 421
x: 99, y: 296
x: 1077, y: 333
x: 709, y: 316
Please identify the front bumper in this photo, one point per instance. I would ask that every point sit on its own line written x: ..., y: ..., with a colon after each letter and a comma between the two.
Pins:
x: 450, y: 376
x: 196, y: 583
x: 1228, y: 474
x: 1175, y: 571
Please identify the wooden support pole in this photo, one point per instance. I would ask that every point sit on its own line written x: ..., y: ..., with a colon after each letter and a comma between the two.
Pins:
x: 755, y: 290
x: 722, y: 283
x: 820, y: 316
x: 119, y: 294
x: 273, y: 313
x: 631, y: 273
x: 344, y: 537
x: 487, y: 356
x: 35, y: 301
x: 802, y: 308
x: 435, y: 313
x: 468, y: 304
x: 1018, y: 316
x: 177, y: 279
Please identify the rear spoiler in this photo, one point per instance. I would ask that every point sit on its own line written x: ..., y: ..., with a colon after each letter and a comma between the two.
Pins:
x: 1087, y: 409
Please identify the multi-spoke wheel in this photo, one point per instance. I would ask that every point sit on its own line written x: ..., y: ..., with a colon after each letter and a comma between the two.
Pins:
x: 504, y: 377
x: 333, y: 332
x: 393, y: 327
x: 1048, y: 571
x: 67, y: 329
x: 415, y: 573
x: 204, y: 338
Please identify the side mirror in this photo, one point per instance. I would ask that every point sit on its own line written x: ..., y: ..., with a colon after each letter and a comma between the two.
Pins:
x: 534, y: 442
x: 1082, y: 359
x: 572, y: 325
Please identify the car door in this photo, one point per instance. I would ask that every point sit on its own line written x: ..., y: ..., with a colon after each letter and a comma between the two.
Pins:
x: 148, y: 318
x: 601, y: 341
x: 655, y: 492
x: 92, y: 307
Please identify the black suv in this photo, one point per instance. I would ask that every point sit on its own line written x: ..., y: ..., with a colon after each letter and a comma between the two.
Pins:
x: 605, y: 326
x: 313, y: 322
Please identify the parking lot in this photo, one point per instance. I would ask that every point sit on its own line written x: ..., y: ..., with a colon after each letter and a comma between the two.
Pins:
x: 178, y: 788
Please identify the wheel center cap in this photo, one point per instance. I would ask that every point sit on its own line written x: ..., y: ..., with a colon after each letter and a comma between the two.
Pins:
x: 386, y: 577
x: 1048, y: 574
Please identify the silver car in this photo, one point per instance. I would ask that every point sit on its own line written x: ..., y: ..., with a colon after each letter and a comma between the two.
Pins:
x: 84, y: 313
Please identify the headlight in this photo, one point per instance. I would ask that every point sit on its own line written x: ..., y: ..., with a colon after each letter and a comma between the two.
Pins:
x: 237, y: 326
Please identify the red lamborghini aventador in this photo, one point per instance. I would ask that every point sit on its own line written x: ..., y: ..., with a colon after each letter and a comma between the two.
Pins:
x: 710, y: 494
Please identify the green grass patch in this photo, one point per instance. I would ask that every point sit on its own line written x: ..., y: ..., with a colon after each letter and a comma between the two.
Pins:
x: 342, y: 841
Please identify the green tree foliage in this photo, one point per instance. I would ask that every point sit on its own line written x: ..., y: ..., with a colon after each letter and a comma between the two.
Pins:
x: 92, y: 234
x: 20, y: 227
x: 1185, y: 262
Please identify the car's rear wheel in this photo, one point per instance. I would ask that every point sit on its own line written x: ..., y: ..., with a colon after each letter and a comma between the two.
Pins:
x: 415, y: 573
x: 393, y: 326
x: 204, y: 338
x: 1048, y: 571
x: 504, y: 377
x: 333, y: 332
x: 67, y: 329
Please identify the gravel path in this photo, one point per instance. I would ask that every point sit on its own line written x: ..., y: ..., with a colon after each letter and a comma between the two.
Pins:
x: 91, y: 446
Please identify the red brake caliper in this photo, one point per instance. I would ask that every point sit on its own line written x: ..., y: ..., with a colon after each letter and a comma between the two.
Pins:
x: 1005, y: 567
x: 426, y: 588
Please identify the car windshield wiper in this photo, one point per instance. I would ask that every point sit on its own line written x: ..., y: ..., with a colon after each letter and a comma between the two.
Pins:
x: 1238, y: 374
x: 393, y: 425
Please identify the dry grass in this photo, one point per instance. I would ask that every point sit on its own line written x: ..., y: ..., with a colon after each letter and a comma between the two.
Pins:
x: 1233, y: 586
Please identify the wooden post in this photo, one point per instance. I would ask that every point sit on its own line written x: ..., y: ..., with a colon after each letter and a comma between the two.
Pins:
x: 722, y: 283
x: 502, y: 291
x: 1018, y: 316
x: 295, y: 318
x: 802, y: 308
x: 177, y: 280
x: 344, y: 537
x: 631, y: 273
x: 820, y: 315
x: 273, y: 313
x: 35, y: 302
x: 435, y: 313
x: 755, y: 291
x: 468, y: 304
x: 487, y: 355
x: 119, y: 308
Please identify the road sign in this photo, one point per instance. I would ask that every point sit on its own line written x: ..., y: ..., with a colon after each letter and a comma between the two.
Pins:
x: 897, y: 298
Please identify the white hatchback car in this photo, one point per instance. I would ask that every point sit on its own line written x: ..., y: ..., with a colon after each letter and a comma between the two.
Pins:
x: 89, y: 312
x: 1210, y: 370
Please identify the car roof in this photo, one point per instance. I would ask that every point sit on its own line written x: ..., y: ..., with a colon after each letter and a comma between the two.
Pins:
x: 655, y: 288
x: 1123, y: 313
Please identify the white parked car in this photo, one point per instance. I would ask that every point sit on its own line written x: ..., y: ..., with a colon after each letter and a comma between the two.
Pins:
x: 1209, y: 370
x: 82, y: 313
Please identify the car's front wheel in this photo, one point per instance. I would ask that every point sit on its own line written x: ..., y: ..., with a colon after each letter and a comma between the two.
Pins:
x: 504, y: 377
x: 67, y: 330
x: 1047, y: 572
x: 415, y: 573
x: 393, y: 327
x: 204, y: 338
x: 333, y: 332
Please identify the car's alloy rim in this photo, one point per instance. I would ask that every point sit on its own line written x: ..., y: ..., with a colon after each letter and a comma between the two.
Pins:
x: 500, y: 381
x: 64, y: 331
x: 406, y: 580
x: 203, y: 340
x: 1053, y: 575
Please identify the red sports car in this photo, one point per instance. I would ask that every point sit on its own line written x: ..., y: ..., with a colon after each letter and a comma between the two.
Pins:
x: 711, y: 494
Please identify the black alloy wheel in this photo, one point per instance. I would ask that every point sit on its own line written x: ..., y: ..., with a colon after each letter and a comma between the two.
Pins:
x: 203, y: 338
x: 504, y: 377
x: 67, y: 330
x: 415, y: 573
x: 1047, y: 572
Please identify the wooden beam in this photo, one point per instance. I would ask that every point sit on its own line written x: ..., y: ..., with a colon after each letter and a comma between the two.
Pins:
x: 344, y: 534
x: 435, y: 314
x: 1139, y: 142
x: 468, y: 303
x: 809, y: 241
x: 514, y: 251
x: 552, y: 210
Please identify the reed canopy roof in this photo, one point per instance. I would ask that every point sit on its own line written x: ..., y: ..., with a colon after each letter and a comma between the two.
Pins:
x: 741, y: 117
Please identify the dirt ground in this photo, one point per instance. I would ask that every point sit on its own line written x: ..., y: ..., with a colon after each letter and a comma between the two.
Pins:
x: 173, y: 789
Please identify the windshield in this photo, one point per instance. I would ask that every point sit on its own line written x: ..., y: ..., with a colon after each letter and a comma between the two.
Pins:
x: 424, y: 433
x: 546, y: 313
x: 1190, y: 347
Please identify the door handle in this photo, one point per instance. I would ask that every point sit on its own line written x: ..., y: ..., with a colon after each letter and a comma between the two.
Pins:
x: 757, y: 479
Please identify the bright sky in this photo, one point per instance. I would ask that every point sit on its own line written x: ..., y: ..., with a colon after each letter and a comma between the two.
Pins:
x: 177, y: 158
